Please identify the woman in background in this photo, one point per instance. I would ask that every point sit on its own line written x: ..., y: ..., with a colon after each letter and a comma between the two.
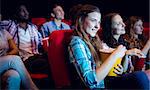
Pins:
x: 134, y: 36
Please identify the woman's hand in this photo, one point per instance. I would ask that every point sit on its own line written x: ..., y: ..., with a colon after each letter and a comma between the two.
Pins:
x: 120, y: 51
x: 118, y: 70
x: 135, y: 52
x: 146, y: 48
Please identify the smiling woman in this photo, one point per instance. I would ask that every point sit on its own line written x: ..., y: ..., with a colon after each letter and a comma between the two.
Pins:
x: 92, y: 23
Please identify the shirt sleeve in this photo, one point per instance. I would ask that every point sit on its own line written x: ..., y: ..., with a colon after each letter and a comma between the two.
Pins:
x: 7, y: 34
x: 80, y: 55
x: 68, y: 27
x: 44, y: 30
x: 5, y: 24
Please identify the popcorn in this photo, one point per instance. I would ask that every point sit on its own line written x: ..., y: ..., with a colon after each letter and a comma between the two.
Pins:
x: 106, y: 49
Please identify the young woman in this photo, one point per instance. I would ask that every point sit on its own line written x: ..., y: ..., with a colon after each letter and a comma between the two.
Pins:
x: 84, y: 50
x: 134, y: 32
x: 136, y: 39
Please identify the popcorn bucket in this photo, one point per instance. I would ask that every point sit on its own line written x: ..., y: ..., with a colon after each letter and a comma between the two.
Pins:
x: 111, y: 72
x: 104, y: 56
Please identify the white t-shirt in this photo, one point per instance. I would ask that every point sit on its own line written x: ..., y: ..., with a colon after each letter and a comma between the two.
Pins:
x: 25, y: 46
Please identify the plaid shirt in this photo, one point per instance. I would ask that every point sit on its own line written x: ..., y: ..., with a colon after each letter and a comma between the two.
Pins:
x: 48, y: 27
x: 12, y: 28
x: 80, y: 53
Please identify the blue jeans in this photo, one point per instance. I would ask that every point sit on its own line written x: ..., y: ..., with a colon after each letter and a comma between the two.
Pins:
x: 14, y: 62
x: 135, y: 80
x: 11, y: 80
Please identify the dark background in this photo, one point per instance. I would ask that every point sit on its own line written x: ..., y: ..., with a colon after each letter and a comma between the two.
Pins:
x: 40, y: 8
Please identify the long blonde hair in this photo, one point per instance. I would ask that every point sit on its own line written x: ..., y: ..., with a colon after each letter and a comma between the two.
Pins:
x: 94, y: 44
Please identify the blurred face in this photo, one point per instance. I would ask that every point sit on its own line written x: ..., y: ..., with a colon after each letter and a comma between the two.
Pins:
x: 138, y: 27
x: 117, y: 25
x: 58, y: 12
x: 23, y: 13
x: 92, y: 23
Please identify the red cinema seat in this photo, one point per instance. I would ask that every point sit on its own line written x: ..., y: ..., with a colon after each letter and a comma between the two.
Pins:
x: 57, y: 57
x: 38, y: 76
x: 146, y: 29
x: 38, y: 21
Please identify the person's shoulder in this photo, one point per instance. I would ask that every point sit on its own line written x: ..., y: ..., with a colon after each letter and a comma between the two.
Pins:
x: 76, y: 39
x: 29, y: 23
x: 48, y: 23
x: 32, y: 25
x: 5, y: 33
x: 65, y: 24
x: 7, y: 22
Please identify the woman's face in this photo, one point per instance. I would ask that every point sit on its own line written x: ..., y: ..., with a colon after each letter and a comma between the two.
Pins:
x: 138, y: 27
x: 118, y: 25
x: 91, y: 23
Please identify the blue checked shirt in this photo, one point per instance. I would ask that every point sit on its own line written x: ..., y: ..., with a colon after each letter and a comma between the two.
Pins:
x: 80, y: 53
x: 48, y: 27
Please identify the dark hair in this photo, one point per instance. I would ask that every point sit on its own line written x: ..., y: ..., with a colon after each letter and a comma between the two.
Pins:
x: 73, y: 11
x: 54, y: 5
x: 17, y: 16
x: 107, y: 33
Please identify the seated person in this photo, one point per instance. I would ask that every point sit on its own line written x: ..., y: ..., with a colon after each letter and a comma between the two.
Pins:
x: 56, y: 23
x: 84, y: 50
x: 113, y: 31
x: 135, y: 38
x: 12, y: 70
x: 27, y: 39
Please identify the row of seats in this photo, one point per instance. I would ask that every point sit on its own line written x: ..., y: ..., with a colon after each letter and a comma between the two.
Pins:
x: 40, y: 21
x: 41, y: 78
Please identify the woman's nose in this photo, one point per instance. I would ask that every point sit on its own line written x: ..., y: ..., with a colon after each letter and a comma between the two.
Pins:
x: 142, y: 27
x: 97, y: 26
x: 123, y: 25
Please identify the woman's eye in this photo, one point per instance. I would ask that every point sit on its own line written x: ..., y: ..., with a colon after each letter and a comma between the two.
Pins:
x: 118, y: 24
x: 93, y: 20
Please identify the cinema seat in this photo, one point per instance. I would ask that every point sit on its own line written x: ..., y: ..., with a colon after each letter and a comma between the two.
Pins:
x: 38, y: 21
x: 57, y: 57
